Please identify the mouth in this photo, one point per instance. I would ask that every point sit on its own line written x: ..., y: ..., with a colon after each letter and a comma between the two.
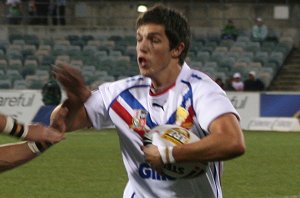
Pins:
x: 142, y: 61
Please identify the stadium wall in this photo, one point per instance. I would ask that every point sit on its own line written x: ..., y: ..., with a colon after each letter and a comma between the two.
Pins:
x: 22, y: 105
x: 259, y: 111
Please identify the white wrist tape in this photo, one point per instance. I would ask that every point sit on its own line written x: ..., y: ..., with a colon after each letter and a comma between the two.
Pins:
x: 9, y: 125
x: 26, y: 129
x: 166, y: 154
x: 13, y: 128
x: 33, y: 147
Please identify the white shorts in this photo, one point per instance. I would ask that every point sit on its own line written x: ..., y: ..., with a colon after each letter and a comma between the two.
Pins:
x: 128, y: 191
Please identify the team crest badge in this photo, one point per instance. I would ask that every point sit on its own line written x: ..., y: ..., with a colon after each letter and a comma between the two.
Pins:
x: 184, y: 118
x: 139, y: 119
x: 181, y: 115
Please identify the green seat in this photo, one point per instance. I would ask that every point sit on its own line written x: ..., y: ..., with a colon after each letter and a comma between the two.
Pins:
x: 15, y: 64
x: 5, y: 84
x: 36, y: 84
x: 20, y: 84
x: 3, y: 64
x: 15, y: 36
x: 28, y: 69
x: 202, y: 56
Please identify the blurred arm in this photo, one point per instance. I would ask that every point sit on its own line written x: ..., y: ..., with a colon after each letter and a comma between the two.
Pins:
x: 77, y: 92
x: 33, y: 132
x: 75, y: 119
x: 15, y: 154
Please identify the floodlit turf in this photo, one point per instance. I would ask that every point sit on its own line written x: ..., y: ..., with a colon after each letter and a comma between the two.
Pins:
x: 88, y: 164
x: 269, y: 169
x: 84, y: 165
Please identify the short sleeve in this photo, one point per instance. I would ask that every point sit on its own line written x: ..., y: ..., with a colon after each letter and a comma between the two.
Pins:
x: 97, y: 107
x: 210, y: 103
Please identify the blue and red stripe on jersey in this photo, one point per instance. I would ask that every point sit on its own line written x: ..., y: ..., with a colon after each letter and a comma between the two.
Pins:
x: 134, y: 104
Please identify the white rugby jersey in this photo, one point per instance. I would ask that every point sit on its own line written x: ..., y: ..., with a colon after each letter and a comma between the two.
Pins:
x: 130, y: 106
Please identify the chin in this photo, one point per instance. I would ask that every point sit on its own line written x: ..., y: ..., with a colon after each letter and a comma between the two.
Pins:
x: 144, y: 73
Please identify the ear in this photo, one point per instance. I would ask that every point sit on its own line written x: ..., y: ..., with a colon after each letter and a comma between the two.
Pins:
x: 177, y: 50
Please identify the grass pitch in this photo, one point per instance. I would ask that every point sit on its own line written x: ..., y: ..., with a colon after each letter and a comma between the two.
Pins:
x: 88, y: 164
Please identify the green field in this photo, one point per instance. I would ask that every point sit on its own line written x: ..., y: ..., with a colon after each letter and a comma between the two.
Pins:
x: 88, y: 164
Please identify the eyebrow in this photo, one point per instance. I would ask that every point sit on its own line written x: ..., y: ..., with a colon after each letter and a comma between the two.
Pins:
x: 152, y: 34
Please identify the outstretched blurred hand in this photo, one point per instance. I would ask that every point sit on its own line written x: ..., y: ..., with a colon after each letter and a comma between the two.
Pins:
x: 52, y: 134
x: 72, y: 82
x: 41, y: 133
x: 77, y: 92
x: 58, y: 118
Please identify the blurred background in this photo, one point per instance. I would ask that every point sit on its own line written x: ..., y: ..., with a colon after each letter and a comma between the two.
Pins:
x: 249, y: 47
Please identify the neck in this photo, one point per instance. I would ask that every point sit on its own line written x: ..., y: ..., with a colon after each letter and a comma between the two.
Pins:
x: 165, y: 77
x: 161, y: 88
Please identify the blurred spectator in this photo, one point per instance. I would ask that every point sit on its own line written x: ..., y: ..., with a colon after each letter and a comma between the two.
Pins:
x: 253, y: 83
x: 236, y: 83
x: 259, y: 30
x: 14, y: 14
x: 51, y: 92
x: 51, y: 97
x: 32, y: 12
x: 219, y: 81
x: 42, y: 10
x: 59, y: 12
x: 229, y: 31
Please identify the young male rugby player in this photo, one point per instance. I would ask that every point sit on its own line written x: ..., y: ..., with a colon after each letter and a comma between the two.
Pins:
x: 166, y: 84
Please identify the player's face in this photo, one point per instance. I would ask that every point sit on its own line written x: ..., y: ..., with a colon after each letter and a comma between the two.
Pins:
x: 154, y: 56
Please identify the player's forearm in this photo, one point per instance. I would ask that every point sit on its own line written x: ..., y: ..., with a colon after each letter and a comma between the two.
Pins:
x: 2, y: 122
x: 209, y: 149
x: 78, y: 120
x: 75, y: 118
x: 226, y: 141
x: 15, y: 154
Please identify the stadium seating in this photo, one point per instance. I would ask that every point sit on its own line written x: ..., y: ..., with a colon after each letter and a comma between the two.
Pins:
x: 203, y: 56
x: 2, y: 73
x: 15, y: 63
x: 5, y: 84
x: 3, y: 64
x: 20, y: 84
x: 105, y: 58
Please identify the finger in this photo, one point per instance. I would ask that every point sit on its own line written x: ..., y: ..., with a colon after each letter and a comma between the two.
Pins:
x: 55, y: 139
x: 61, y: 69
x: 57, y: 68
x: 62, y: 65
x: 53, y: 135
x: 70, y: 81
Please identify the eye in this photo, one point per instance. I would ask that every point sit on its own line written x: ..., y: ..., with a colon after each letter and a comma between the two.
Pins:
x: 155, y: 40
x: 138, y: 38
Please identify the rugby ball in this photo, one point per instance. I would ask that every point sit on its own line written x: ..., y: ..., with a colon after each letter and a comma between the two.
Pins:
x: 172, y: 135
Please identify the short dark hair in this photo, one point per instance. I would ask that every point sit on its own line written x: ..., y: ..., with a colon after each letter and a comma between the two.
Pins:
x: 176, y: 26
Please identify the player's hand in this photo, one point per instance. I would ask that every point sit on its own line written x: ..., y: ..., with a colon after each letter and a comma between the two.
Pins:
x: 41, y: 133
x: 72, y: 81
x: 58, y: 118
x: 153, y: 157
